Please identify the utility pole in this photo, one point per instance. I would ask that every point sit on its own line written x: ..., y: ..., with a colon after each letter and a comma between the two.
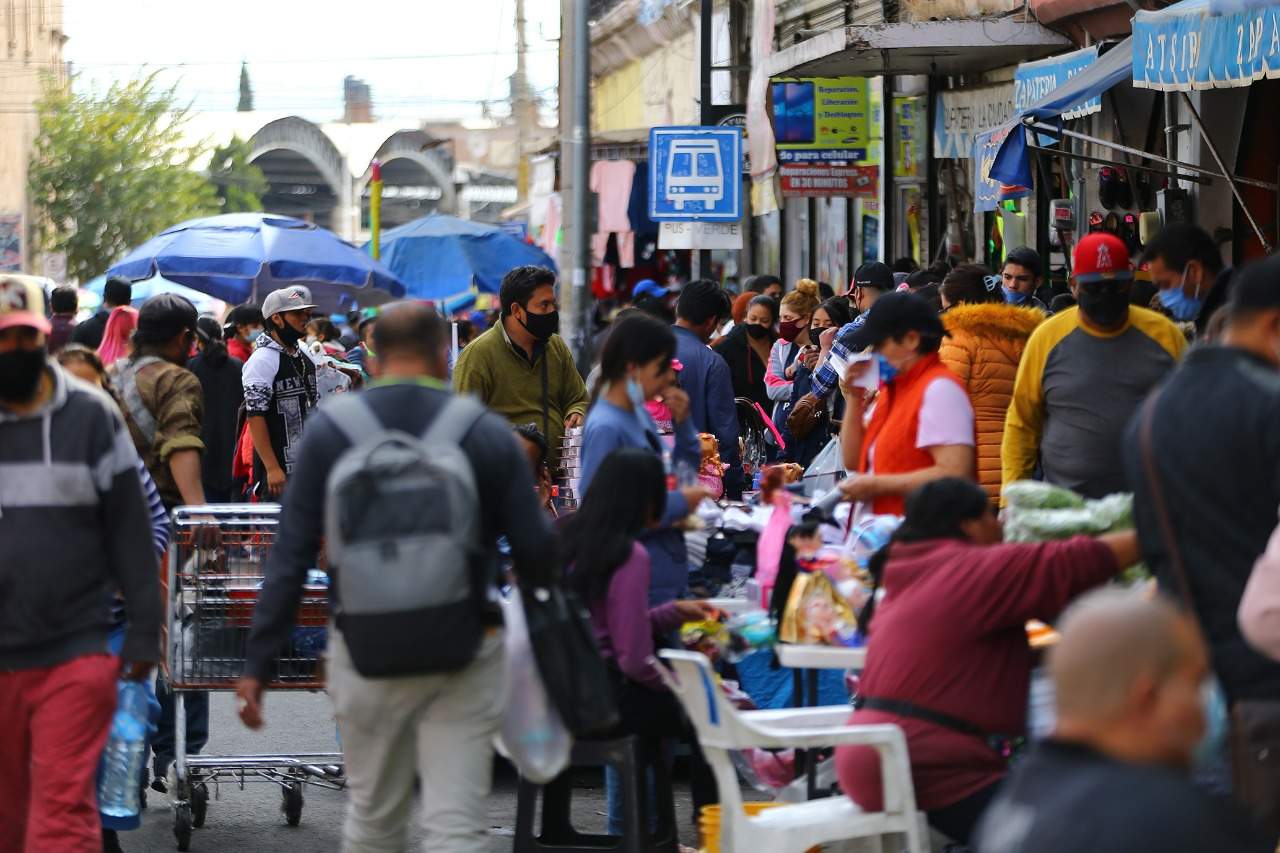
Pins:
x: 523, y: 107
x: 703, y: 256
x: 575, y: 168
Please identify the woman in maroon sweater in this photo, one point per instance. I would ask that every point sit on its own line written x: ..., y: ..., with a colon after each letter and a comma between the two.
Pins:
x: 610, y: 571
x: 948, y: 659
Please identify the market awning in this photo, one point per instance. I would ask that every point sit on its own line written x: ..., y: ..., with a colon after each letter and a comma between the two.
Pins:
x: 925, y: 47
x: 1011, y: 165
x: 1206, y: 44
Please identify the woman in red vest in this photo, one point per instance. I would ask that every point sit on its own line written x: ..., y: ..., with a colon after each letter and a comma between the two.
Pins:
x: 921, y: 426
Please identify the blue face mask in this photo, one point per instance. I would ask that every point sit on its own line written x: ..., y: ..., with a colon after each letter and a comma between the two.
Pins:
x: 887, y: 371
x: 635, y: 394
x: 1013, y: 297
x: 1177, y: 303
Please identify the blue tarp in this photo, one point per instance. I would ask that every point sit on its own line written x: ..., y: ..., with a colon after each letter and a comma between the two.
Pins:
x: 1011, y: 165
x: 1205, y: 44
x: 440, y: 256
x: 240, y: 256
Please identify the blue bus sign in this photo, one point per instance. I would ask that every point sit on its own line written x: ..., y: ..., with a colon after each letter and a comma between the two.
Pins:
x: 695, y: 174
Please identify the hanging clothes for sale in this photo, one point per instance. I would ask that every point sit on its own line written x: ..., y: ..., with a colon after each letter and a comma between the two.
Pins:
x: 548, y: 241
x: 611, y: 181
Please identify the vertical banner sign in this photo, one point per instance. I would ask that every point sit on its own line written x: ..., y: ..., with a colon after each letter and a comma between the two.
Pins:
x: 909, y: 125
x: 10, y: 242
x: 375, y: 211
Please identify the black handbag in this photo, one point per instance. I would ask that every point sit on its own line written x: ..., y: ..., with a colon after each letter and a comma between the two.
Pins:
x: 574, y: 674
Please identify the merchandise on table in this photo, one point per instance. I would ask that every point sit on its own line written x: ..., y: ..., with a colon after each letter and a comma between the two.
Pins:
x: 817, y: 613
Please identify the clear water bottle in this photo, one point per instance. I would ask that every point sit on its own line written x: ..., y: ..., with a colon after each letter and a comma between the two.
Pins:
x: 120, y: 777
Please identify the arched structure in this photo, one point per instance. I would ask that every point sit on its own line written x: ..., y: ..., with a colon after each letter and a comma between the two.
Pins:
x: 417, y: 178
x: 307, y: 174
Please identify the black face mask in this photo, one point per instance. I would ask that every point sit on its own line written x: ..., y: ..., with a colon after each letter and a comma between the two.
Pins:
x: 542, y: 326
x: 1107, y: 308
x: 289, y: 336
x: 757, y: 331
x: 20, y: 372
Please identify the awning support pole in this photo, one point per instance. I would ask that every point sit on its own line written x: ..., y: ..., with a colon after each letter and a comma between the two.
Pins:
x: 1231, y: 181
x: 1106, y: 143
x: 1071, y: 155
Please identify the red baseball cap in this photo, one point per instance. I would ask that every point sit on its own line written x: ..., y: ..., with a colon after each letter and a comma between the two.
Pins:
x: 1101, y: 257
x: 22, y: 304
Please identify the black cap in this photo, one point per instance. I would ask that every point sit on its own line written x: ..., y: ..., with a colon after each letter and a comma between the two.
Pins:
x: 1258, y: 287
x: 165, y: 315
x: 895, y: 314
x: 874, y: 274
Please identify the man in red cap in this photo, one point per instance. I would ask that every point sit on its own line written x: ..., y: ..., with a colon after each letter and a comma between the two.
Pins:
x: 74, y: 528
x: 1084, y: 373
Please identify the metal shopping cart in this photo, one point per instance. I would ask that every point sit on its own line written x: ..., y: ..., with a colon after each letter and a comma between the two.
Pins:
x: 212, y: 583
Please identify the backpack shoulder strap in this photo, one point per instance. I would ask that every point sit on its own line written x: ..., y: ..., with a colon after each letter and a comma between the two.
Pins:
x: 132, y: 397
x: 454, y: 421
x: 354, y: 417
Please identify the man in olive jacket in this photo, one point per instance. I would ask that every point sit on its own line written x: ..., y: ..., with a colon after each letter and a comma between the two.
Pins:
x: 521, y: 368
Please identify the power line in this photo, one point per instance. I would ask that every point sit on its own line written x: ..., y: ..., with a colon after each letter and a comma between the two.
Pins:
x: 323, y: 60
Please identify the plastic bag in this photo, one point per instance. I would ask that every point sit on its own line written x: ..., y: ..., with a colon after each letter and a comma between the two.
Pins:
x: 824, y: 471
x: 1092, y: 517
x: 817, y: 613
x: 532, y: 734
x: 1033, y: 494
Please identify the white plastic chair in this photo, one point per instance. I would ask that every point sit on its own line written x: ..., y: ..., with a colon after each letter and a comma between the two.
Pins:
x: 721, y: 727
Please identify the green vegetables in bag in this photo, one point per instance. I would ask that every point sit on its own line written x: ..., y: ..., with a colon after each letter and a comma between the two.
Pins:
x: 1033, y: 494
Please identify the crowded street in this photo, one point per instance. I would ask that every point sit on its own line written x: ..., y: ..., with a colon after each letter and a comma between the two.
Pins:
x: 654, y: 426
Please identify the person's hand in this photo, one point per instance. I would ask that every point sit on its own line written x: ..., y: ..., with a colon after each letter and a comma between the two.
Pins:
x: 249, y: 702
x: 275, y: 481
x: 695, y: 611
x: 827, y: 338
x: 695, y: 495
x: 809, y: 357
x: 855, y: 372
x: 859, y: 489
x: 677, y: 402
x: 135, y: 670
x: 573, y: 421
x: 790, y: 372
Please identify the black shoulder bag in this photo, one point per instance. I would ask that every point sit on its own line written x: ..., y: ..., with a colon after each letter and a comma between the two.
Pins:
x: 1254, y: 736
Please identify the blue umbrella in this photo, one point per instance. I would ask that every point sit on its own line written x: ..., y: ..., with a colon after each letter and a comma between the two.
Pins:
x: 440, y: 256
x: 241, y: 256
x: 144, y: 290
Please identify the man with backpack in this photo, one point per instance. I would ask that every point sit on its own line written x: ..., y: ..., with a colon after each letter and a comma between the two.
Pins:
x: 410, y: 486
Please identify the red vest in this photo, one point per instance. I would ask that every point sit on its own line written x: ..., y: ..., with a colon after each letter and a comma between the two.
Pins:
x: 895, y: 423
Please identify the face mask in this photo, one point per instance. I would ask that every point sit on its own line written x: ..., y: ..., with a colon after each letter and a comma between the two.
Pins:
x: 887, y: 371
x: 542, y: 326
x: 1107, y: 309
x: 289, y: 336
x: 1181, y: 306
x: 757, y: 332
x: 1013, y: 297
x: 635, y: 394
x: 254, y: 333
x: 789, y: 330
x: 20, y: 372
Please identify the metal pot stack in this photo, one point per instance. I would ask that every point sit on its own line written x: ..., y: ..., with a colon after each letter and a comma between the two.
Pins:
x: 570, y: 470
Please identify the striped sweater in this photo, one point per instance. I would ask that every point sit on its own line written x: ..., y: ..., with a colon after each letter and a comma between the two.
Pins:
x: 74, y: 528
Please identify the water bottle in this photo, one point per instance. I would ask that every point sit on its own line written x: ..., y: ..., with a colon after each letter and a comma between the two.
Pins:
x: 120, y: 777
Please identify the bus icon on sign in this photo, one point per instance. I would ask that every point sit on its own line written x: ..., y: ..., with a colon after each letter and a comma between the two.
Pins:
x: 695, y: 172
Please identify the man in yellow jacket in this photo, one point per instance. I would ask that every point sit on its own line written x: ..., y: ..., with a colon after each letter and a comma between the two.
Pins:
x: 1084, y: 373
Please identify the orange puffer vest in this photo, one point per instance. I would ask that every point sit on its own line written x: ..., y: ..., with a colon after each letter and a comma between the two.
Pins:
x: 895, y: 423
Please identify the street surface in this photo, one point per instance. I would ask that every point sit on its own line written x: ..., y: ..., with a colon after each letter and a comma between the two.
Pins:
x: 251, y: 820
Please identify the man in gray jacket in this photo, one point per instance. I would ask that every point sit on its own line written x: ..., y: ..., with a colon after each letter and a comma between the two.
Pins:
x: 74, y: 528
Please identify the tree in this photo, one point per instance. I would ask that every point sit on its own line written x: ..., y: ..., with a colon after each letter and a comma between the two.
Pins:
x: 110, y: 171
x: 239, y: 184
x: 246, y: 91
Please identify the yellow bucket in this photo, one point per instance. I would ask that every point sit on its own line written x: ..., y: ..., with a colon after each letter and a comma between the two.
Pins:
x: 709, y: 824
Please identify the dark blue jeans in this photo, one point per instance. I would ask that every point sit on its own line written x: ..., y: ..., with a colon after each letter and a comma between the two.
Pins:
x: 196, y: 706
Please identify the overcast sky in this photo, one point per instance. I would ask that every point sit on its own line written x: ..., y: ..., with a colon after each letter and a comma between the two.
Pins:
x: 435, y: 59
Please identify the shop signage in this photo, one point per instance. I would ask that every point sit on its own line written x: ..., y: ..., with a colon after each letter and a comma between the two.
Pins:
x: 1033, y: 80
x: 1194, y: 50
x: 988, y: 193
x: 909, y: 133
x: 960, y: 113
x: 700, y: 235
x: 821, y: 119
x: 829, y: 179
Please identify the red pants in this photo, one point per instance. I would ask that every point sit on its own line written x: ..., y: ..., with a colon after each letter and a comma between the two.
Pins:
x: 53, y: 726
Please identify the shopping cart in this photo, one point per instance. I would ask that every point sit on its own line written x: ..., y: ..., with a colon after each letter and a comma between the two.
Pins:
x: 213, y: 581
